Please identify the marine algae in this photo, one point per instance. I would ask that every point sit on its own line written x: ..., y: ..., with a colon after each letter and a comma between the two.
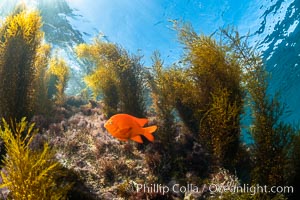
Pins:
x: 20, y: 39
x: 116, y: 76
x: 60, y: 73
x: 29, y: 174
x: 42, y: 103
x: 207, y: 94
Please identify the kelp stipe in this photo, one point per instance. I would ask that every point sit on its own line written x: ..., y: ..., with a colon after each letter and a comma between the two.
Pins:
x: 29, y: 174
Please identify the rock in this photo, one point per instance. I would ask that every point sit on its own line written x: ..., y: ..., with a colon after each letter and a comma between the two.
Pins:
x: 4, y: 192
x: 75, y: 101
x: 107, y: 196
x: 38, y: 142
x: 192, y: 195
x: 64, y: 125
x: 79, y: 190
x: 102, y: 126
x: 86, y: 111
x: 54, y: 129
x: 82, y: 123
x: 93, y: 103
x: 40, y: 121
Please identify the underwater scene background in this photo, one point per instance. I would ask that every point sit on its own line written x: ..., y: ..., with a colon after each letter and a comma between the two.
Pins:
x: 272, y: 25
x: 216, y: 80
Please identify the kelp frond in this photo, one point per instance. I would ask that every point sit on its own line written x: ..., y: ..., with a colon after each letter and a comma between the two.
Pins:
x: 29, y: 174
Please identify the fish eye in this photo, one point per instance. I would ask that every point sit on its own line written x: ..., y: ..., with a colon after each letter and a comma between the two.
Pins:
x: 110, y: 122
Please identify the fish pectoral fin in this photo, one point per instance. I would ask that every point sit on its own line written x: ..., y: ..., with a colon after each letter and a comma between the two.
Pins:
x: 124, y: 130
x: 137, y: 139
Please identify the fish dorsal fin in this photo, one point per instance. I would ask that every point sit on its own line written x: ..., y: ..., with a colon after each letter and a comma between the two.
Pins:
x: 137, y: 139
x: 141, y: 121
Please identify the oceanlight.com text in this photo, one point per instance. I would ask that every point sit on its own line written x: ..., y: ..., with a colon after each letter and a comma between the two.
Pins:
x: 252, y: 189
x: 213, y: 188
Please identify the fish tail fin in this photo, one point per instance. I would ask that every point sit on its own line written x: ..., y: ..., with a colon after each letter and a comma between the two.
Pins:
x: 148, y: 132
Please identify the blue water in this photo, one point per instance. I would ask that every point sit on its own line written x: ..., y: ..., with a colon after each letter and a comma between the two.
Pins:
x: 143, y: 26
x: 282, y: 54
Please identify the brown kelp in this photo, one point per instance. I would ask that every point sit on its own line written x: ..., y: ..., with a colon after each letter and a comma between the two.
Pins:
x: 59, y: 73
x: 207, y: 94
x: 30, y: 174
x: 272, y: 137
x: 42, y: 104
x: 20, y: 39
x: 116, y: 76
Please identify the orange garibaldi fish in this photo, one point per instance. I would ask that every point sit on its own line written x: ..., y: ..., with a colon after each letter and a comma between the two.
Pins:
x: 124, y: 127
